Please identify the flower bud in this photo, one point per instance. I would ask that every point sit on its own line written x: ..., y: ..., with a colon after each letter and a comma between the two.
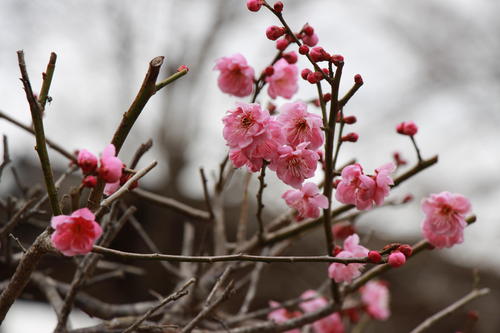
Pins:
x: 351, y: 137
x: 350, y: 120
x: 337, y: 250
x: 396, y: 259
x: 308, y: 30
x: 407, y: 128
x: 318, y: 54
x: 86, y: 161
x: 358, y: 79
x: 290, y: 57
x: 327, y: 97
x: 304, y: 49
x: 398, y: 159
x: 254, y: 5
x: 282, y: 44
x: 310, y: 40
x: 269, y: 71
x: 337, y: 58
x: 305, y: 72
x: 342, y: 230
x: 274, y: 32
x: 278, y: 6
x: 89, y: 181
x: 405, y: 249
x: 182, y: 68
x: 312, y: 78
x: 374, y: 257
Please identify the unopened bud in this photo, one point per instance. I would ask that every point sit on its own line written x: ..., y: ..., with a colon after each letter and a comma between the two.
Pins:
x: 407, y: 128
x: 274, y: 32
x: 269, y: 71
x: 290, y: 57
x: 282, y: 44
x: 358, y: 79
x: 406, y: 250
x: 396, y: 259
x: 305, y: 72
x: 183, y: 68
x: 89, y: 181
x: 351, y: 137
x: 254, y: 5
x: 374, y: 257
x: 278, y: 6
x: 308, y: 30
x: 350, y: 120
x: 303, y: 49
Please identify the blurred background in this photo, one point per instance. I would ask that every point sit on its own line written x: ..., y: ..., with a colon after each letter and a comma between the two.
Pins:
x: 433, y: 62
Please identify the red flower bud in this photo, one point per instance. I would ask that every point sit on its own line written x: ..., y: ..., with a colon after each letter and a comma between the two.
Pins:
x: 282, y: 44
x: 290, y: 57
x: 269, y: 71
x: 342, y: 230
x: 350, y: 120
x: 337, y: 58
x: 327, y: 97
x: 374, y: 257
x: 358, y: 79
x: 398, y: 159
x: 303, y: 49
x: 308, y: 30
x: 337, y: 250
x: 407, y: 128
x: 305, y: 72
x: 312, y: 78
x: 254, y: 5
x: 351, y: 137
x: 89, y: 181
x: 405, y: 249
x: 182, y: 68
x: 278, y: 6
x: 318, y: 54
x: 273, y: 32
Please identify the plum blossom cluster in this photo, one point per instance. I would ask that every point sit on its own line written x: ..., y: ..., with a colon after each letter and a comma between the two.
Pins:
x: 110, y: 168
x: 364, y: 191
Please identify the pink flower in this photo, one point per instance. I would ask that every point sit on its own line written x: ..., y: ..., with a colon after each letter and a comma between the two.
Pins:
x: 283, y: 82
x: 329, y: 324
x: 243, y: 124
x: 355, y: 188
x: 111, y: 166
x: 86, y: 161
x: 300, y: 126
x: 307, y: 201
x: 111, y: 188
x: 236, y: 76
x: 383, y: 182
x: 281, y: 315
x: 75, y: 234
x: 361, y: 190
x: 407, y: 128
x: 444, y: 221
x: 293, y: 166
x: 346, y: 273
x: 375, y: 295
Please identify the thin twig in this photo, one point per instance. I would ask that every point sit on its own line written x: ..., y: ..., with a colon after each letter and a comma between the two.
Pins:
x: 229, y: 257
x: 207, y: 309
x: 18, y: 217
x: 426, y: 324
x: 417, y: 150
x: 173, y: 204
x: 143, y: 149
x: 260, y: 204
x: 6, y: 157
x: 175, y: 296
x: 47, y: 80
x: 254, y: 283
x: 243, y: 220
x: 208, y: 203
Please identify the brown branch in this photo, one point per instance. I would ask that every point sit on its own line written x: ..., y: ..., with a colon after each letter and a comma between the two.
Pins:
x: 229, y: 257
x: 260, y: 205
x: 173, y: 204
x: 175, y: 296
x: 6, y: 157
x: 206, y: 195
x: 143, y: 149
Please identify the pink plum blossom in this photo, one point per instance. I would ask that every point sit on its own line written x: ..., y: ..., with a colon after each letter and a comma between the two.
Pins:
x: 293, y: 166
x: 383, y: 182
x: 75, y: 234
x: 355, y: 188
x: 243, y: 124
x: 361, y: 190
x: 281, y: 315
x: 283, y: 82
x: 86, y: 161
x: 111, y: 166
x: 346, y: 273
x: 300, y: 126
x: 307, y: 201
x: 329, y: 324
x: 111, y: 188
x: 375, y: 296
x: 444, y: 221
x: 236, y: 76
